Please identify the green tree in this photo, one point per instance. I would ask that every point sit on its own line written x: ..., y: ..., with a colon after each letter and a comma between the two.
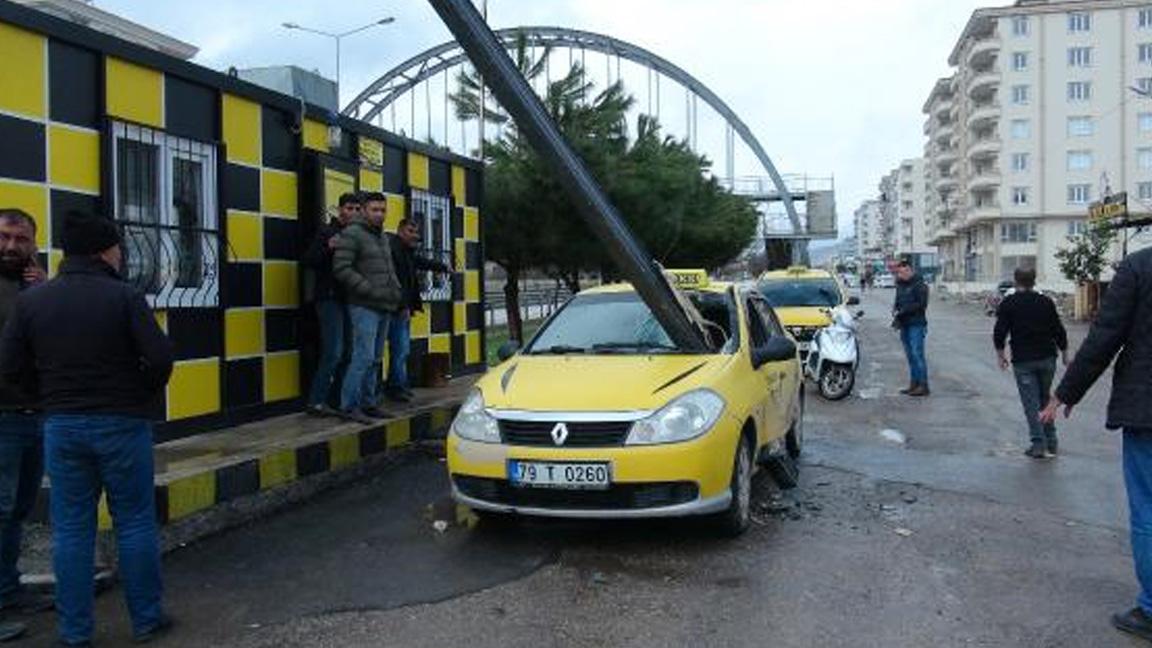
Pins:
x: 1086, y: 256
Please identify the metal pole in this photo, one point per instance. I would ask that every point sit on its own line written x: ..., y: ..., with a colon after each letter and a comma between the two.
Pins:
x: 513, y: 92
x: 483, y: 87
x: 337, y: 39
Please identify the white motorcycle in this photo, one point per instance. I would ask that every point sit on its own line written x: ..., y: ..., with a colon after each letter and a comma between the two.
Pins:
x: 834, y: 355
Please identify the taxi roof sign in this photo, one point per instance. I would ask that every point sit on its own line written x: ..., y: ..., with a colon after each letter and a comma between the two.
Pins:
x: 688, y: 279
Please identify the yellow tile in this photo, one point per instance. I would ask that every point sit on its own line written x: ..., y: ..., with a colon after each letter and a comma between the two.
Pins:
x: 441, y: 419
x: 54, y: 259
x: 243, y: 333
x: 245, y: 236
x: 459, y: 317
x: 371, y: 151
x: 440, y: 344
x: 418, y: 171
x: 281, y: 284
x: 24, y: 71
x: 241, y: 129
x: 396, y: 212
x: 190, y: 495
x: 315, y: 135
x: 278, y: 193
x: 472, y: 348
x: 134, y: 92
x: 459, y: 186
x: 421, y: 326
x: 371, y: 180
x: 335, y: 185
x: 399, y: 433
x: 281, y: 376
x: 161, y: 319
x: 194, y: 389
x: 472, y: 224
x: 472, y: 286
x: 344, y: 451
x: 461, y: 255
x: 74, y: 158
x: 278, y: 468
x: 32, y: 198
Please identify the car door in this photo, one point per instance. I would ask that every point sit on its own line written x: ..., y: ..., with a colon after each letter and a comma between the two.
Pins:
x: 769, y: 375
x: 790, y: 370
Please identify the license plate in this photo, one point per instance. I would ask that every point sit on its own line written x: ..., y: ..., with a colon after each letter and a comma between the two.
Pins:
x: 804, y: 346
x: 576, y: 476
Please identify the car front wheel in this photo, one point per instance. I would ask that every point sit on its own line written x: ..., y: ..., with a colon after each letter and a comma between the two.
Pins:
x: 736, y: 519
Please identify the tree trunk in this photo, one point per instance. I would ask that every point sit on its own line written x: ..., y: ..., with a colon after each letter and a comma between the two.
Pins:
x: 512, y: 304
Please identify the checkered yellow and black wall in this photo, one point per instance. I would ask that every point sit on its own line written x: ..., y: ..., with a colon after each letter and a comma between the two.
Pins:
x: 60, y: 87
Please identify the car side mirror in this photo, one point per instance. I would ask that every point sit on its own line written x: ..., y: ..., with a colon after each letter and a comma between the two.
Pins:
x: 508, y: 349
x: 777, y: 349
x: 853, y: 301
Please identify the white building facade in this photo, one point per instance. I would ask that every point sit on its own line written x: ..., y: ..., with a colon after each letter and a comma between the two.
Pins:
x: 871, y: 242
x: 1038, y: 121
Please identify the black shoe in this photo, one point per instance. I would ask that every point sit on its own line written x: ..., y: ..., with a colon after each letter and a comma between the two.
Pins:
x: 1135, y: 621
x: 28, y: 602
x: 907, y: 390
x: 1053, y: 447
x: 358, y: 416
x: 374, y: 412
x: 1037, y: 451
x: 316, y: 410
x: 10, y: 630
x: 919, y: 391
x: 157, y: 631
x: 398, y: 397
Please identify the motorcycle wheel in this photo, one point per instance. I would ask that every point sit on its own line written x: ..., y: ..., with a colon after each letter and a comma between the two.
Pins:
x: 837, y: 381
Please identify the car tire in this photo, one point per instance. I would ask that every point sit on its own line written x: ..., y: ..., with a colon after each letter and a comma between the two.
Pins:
x: 795, y: 439
x: 738, y: 517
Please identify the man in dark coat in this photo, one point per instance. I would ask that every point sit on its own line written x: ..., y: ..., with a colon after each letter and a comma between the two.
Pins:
x: 331, y: 310
x: 409, y: 264
x: 1124, y: 327
x: 910, y: 318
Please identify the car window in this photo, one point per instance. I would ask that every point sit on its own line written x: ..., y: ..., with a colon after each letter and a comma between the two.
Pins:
x: 605, y: 322
x: 757, y: 330
x: 769, y: 315
x: 801, y: 292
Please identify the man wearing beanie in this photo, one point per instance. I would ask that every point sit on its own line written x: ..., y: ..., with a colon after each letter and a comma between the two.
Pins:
x: 89, y: 345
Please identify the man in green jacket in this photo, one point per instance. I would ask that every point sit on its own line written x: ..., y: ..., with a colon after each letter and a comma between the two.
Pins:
x: 362, y: 264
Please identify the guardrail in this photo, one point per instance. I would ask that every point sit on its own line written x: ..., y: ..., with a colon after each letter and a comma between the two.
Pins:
x: 535, y: 303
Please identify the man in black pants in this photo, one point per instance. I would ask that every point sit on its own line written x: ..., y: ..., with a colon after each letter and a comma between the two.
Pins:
x: 1029, y: 321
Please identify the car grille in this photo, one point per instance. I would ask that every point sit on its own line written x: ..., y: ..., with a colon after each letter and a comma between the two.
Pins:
x: 616, y: 497
x: 580, y: 435
x: 803, y: 333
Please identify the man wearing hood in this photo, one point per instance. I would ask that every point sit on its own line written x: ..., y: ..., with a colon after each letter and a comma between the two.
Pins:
x: 909, y: 317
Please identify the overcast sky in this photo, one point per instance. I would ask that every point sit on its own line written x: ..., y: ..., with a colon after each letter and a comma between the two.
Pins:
x: 829, y: 87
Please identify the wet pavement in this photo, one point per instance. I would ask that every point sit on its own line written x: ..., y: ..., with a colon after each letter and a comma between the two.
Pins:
x: 917, y: 523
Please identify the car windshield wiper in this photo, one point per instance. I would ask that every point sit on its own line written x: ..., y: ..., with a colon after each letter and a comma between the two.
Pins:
x: 639, y: 346
x: 560, y: 349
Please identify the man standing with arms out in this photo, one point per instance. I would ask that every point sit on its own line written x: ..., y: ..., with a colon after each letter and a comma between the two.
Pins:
x: 404, y: 244
x: 909, y: 316
x: 1030, y: 322
x: 363, y: 266
x: 330, y: 307
x: 90, y: 344
x: 21, y: 439
x: 1124, y: 326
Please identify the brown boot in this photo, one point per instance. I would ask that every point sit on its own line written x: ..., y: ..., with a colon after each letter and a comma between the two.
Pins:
x: 909, y: 389
x: 919, y: 390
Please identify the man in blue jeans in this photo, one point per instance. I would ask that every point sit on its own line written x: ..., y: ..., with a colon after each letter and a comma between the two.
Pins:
x: 363, y: 266
x: 1124, y: 327
x: 909, y: 316
x: 330, y: 307
x: 21, y: 441
x: 89, y: 344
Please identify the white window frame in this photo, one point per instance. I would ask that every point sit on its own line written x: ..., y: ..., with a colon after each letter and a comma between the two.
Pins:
x: 1021, y: 26
x: 1080, y: 160
x: 1077, y: 227
x: 1079, y: 91
x: 1021, y: 94
x: 1020, y: 196
x: 1079, y: 22
x: 1020, y: 61
x: 435, y: 287
x: 1080, y: 57
x: 1144, y: 190
x: 1081, y: 126
x: 1144, y: 18
x: 1020, y: 129
x: 169, y: 294
x: 1079, y: 194
x: 1144, y: 53
x: 1144, y: 84
x: 1021, y: 162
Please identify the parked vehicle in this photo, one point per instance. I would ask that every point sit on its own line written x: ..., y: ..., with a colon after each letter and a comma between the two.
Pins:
x: 885, y: 280
x: 803, y: 299
x: 834, y: 355
x: 995, y: 298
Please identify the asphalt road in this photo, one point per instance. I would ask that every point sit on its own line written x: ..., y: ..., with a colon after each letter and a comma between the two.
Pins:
x: 917, y: 523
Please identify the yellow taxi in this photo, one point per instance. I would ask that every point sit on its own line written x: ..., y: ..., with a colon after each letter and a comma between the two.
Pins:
x: 601, y: 416
x: 803, y: 298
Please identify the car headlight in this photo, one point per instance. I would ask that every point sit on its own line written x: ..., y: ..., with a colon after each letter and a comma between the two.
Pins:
x: 683, y: 419
x: 474, y: 423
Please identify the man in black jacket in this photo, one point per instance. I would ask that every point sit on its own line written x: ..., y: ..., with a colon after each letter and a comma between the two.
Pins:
x: 909, y: 316
x: 88, y: 344
x: 1030, y: 321
x: 405, y: 243
x: 1124, y: 326
x: 331, y: 309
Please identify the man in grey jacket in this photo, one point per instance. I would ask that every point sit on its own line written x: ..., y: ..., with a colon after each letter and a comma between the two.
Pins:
x: 362, y: 264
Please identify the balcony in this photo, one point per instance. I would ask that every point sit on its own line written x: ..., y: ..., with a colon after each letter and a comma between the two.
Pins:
x: 985, y: 180
x: 945, y: 133
x: 984, y: 148
x: 946, y: 182
x: 982, y: 212
x: 945, y: 157
x: 984, y: 83
x: 983, y: 114
x: 943, y: 108
x: 984, y: 51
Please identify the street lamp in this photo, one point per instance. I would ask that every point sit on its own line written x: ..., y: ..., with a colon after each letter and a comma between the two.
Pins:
x: 337, y: 37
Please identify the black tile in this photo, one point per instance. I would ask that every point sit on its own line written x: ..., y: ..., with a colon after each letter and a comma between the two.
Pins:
x: 237, y: 481
x: 439, y: 178
x: 65, y: 201
x: 475, y: 317
x: 281, y: 239
x: 416, y: 353
x: 474, y: 186
x: 196, y: 332
x: 421, y: 426
x: 457, y: 223
x: 473, y: 255
x: 244, y: 383
x: 312, y: 459
x: 243, y: 284
x: 162, y: 508
x: 191, y: 110
x: 282, y: 330
x: 373, y: 441
x: 440, y: 313
x: 280, y: 148
x: 74, y: 81
x: 459, y: 352
x: 242, y: 188
x: 395, y: 170
x: 22, y: 156
x: 457, y: 286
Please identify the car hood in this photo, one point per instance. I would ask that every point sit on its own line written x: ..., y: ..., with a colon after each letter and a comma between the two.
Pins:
x: 804, y: 315
x: 601, y: 383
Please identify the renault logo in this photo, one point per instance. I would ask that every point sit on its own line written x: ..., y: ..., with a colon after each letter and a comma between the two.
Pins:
x: 560, y: 434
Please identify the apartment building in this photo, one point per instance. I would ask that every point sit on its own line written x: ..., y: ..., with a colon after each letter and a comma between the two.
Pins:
x: 871, y: 242
x: 1043, y: 115
x: 910, y: 224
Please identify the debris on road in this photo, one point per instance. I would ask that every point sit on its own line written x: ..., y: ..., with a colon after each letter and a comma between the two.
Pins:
x: 894, y: 436
x: 902, y: 532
